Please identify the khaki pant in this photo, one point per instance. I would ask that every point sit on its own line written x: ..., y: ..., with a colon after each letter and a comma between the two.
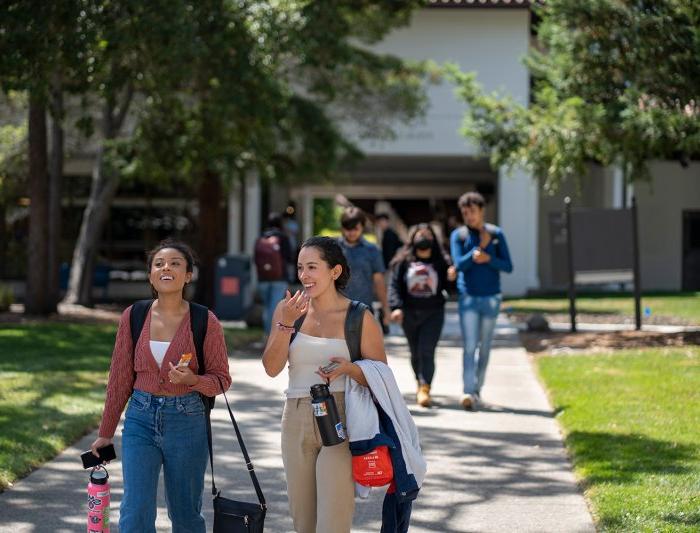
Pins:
x: 319, y: 478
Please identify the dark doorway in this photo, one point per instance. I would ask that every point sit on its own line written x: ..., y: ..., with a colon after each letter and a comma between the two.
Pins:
x: 691, y: 250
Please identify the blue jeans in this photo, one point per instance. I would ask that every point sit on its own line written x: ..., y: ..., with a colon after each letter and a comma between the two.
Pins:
x: 477, y: 319
x: 168, y: 432
x: 271, y: 293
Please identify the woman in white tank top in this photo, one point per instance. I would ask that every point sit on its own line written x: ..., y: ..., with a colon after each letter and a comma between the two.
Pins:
x: 319, y: 479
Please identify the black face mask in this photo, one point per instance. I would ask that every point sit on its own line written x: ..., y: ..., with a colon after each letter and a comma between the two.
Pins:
x: 423, y: 244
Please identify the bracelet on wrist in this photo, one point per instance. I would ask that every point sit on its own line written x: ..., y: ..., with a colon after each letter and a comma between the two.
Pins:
x: 285, y: 328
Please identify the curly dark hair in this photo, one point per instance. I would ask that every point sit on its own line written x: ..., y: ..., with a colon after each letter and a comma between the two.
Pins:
x: 333, y: 255
x: 181, y: 247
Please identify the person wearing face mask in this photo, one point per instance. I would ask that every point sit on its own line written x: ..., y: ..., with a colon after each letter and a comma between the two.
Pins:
x: 420, y: 272
x: 480, y: 253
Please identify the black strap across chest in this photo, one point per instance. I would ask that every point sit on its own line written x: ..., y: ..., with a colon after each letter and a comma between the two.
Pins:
x: 199, y: 317
x: 353, y: 328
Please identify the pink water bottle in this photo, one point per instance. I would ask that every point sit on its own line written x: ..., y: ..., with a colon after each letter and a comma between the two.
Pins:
x: 98, y: 501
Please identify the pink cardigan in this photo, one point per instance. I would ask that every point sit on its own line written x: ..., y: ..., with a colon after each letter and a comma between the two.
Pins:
x: 149, y: 378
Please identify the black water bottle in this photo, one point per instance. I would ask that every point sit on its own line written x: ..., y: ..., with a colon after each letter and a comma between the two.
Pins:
x: 326, y: 414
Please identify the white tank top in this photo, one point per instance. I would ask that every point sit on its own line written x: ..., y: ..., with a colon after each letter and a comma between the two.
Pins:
x: 306, y: 354
x: 158, y: 349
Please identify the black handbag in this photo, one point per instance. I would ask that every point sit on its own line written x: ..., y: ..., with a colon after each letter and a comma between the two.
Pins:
x: 231, y: 516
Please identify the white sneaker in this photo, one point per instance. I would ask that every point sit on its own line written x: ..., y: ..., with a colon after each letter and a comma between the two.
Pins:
x: 468, y: 402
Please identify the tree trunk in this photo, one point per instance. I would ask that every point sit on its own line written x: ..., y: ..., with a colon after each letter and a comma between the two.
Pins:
x: 36, y: 300
x: 102, y: 191
x: 211, y: 241
x: 55, y: 192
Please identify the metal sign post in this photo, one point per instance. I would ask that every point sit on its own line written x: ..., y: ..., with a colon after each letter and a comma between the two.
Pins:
x: 570, y: 256
x: 599, y: 245
x: 637, y: 277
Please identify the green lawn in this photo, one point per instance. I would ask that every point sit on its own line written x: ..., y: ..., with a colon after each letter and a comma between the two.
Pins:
x: 632, y: 424
x: 52, y: 380
x: 684, y: 305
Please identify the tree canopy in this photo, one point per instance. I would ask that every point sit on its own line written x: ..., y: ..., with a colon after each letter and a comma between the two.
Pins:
x: 614, y: 81
x: 265, y: 86
x: 206, y: 91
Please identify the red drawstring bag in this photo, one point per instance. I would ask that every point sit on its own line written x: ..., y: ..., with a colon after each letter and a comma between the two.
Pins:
x: 374, y: 468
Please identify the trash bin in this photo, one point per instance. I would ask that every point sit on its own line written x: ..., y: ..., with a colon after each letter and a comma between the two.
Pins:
x: 233, y: 288
x: 100, y: 277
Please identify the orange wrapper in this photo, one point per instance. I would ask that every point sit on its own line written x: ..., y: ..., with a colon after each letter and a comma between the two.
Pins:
x: 185, y: 359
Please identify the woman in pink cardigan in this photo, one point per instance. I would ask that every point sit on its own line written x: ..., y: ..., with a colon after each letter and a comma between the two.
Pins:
x: 165, y: 423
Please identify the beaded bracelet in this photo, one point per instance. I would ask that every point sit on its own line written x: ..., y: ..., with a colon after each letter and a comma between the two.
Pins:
x: 287, y: 329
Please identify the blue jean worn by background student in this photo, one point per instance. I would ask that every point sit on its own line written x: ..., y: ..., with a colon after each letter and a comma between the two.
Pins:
x: 479, y: 286
x: 477, y: 319
x: 271, y: 293
x: 168, y: 433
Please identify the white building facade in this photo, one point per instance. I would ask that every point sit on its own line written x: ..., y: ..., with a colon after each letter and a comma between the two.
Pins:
x: 430, y: 159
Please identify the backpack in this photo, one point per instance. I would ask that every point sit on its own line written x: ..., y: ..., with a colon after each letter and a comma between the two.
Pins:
x: 268, y: 258
x: 199, y: 317
x: 353, y: 328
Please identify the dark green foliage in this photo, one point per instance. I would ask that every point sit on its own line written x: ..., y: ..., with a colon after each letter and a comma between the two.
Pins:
x: 257, y: 89
x: 616, y: 82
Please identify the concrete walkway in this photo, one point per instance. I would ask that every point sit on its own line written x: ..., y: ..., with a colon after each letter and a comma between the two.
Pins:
x: 502, y: 469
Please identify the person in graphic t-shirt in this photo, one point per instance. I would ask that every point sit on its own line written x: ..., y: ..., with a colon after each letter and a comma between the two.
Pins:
x: 420, y: 273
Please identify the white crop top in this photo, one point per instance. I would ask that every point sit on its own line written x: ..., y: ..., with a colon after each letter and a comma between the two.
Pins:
x: 158, y: 349
x: 306, y: 354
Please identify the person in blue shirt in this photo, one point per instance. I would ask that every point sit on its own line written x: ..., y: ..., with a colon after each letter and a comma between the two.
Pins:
x: 365, y: 261
x: 480, y: 253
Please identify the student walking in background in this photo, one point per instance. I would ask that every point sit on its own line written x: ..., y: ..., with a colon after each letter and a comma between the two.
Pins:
x: 165, y: 424
x: 391, y: 242
x: 365, y: 262
x: 480, y: 254
x: 420, y: 272
x: 272, y: 257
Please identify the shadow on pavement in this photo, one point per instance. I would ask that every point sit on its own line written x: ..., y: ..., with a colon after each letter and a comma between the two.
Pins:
x: 493, y: 466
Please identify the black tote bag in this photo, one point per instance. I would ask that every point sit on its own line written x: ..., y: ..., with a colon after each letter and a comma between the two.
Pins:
x: 231, y: 516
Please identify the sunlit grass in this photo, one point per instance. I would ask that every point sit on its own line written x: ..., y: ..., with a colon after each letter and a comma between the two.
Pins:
x: 52, y: 385
x: 52, y: 380
x: 684, y: 305
x: 632, y: 424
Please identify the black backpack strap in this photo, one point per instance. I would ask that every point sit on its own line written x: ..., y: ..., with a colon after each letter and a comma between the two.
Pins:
x: 199, y: 319
x: 353, y: 329
x: 297, y: 327
x: 139, y: 312
x: 244, y: 451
